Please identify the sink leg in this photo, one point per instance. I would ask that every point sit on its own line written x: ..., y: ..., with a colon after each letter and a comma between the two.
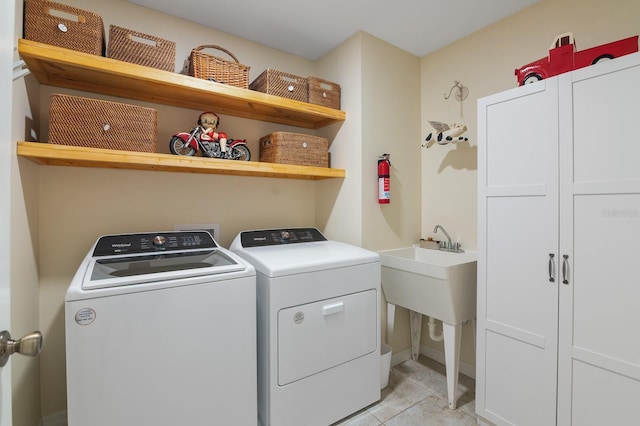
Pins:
x: 452, y: 337
x: 415, y: 320
x: 391, y: 317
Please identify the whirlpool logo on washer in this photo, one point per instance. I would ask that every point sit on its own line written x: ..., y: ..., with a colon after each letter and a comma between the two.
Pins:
x: 85, y: 316
x: 298, y: 317
x: 120, y: 245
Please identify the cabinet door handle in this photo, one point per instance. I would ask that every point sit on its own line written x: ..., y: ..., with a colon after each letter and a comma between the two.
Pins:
x: 551, y: 268
x: 565, y: 269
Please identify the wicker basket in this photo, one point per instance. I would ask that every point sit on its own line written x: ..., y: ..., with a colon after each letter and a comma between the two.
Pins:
x: 96, y: 123
x: 324, y: 92
x: 142, y: 49
x: 209, y: 67
x: 45, y: 22
x: 274, y: 82
x: 294, y: 148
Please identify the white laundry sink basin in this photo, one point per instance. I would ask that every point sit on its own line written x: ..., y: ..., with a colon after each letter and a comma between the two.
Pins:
x: 436, y: 283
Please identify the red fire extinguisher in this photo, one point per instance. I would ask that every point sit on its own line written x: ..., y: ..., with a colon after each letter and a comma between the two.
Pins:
x: 384, y: 193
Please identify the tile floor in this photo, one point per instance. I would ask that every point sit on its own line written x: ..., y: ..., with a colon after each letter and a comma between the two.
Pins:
x: 417, y: 395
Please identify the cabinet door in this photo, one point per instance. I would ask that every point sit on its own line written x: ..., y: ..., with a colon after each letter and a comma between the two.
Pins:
x: 599, y: 348
x: 518, y: 238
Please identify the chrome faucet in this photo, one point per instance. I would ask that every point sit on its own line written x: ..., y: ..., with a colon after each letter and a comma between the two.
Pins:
x: 449, y: 245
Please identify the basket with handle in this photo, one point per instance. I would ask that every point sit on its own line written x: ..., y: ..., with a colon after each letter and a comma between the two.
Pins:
x: 324, y: 92
x: 96, y: 123
x: 209, y: 67
x: 140, y: 48
x: 294, y: 148
x: 286, y: 85
x: 65, y: 26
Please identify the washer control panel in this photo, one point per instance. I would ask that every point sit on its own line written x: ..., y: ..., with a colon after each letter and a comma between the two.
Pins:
x: 274, y: 237
x: 110, y: 245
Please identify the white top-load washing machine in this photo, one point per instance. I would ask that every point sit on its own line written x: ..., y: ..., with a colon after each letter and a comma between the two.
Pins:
x: 318, y: 325
x: 161, y: 330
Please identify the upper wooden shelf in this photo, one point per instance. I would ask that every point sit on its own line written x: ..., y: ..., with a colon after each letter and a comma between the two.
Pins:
x: 64, y: 155
x: 61, y: 67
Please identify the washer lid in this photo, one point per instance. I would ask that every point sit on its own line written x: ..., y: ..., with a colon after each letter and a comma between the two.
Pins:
x: 121, y: 260
x: 126, y: 270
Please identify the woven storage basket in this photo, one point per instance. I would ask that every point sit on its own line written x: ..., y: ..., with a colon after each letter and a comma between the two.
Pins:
x: 209, y: 67
x: 294, y: 148
x: 96, y: 123
x: 324, y: 92
x: 283, y: 84
x: 64, y: 26
x: 142, y: 49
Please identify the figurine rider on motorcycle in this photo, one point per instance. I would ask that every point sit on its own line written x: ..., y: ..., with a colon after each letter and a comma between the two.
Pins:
x: 204, y: 139
x: 209, y: 122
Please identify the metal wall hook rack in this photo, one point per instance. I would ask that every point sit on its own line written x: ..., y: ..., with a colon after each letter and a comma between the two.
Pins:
x: 462, y: 92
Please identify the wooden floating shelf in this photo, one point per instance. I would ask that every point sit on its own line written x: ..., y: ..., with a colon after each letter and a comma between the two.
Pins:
x: 64, y: 155
x: 56, y: 66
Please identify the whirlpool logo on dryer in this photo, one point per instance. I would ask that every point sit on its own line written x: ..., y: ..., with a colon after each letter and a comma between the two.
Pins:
x: 298, y: 317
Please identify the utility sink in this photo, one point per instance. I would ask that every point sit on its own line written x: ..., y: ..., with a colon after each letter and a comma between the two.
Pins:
x: 437, y: 283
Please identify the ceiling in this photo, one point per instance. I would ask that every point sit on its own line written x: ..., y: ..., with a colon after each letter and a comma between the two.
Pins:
x: 312, y: 28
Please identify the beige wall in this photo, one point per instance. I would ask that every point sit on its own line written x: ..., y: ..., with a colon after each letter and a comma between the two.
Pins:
x: 25, y: 308
x: 66, y: 209
x: 484, y: 62
x: 338, y: 207
x: 390, y: 117
x: 382, y: 101
x: 388, y: 96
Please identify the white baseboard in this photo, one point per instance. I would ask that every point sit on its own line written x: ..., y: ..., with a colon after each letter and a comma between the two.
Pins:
x: 405, y: 355
x: 400, y: 357
x: 57, y: 419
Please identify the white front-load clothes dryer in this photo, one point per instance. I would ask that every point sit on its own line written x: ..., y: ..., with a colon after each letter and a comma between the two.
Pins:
x: 161, y: 330
x: 318, y: 325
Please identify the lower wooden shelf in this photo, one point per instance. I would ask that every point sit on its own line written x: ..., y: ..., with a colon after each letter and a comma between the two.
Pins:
x: 63, y: 155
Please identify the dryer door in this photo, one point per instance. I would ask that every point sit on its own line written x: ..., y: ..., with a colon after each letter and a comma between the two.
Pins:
x: 318, y: 336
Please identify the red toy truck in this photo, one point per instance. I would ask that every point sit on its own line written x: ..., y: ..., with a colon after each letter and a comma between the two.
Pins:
x: 564, y: 57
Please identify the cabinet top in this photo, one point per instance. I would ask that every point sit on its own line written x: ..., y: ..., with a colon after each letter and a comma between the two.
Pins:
x: 56, y: 66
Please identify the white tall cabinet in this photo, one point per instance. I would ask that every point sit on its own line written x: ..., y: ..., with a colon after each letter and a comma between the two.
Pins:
x: 559, y: 244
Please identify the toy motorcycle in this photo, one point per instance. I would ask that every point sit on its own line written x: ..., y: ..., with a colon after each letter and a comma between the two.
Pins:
x: 188, y: 143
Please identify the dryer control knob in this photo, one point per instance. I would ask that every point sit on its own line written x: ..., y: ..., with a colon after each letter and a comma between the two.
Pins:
x: 285, y: 235
x: 159, y: 240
